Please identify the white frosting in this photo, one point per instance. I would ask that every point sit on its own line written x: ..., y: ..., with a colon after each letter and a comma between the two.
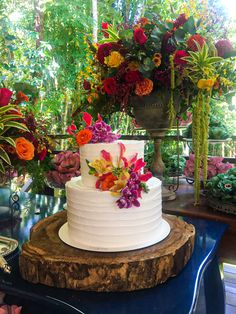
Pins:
x: 91, y: 152
x: 96, y: 222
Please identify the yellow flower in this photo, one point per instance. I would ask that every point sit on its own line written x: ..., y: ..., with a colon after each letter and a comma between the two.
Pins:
x: 114, y: 59
x: 101, y: 166
x: 205, y: 84
x: 120, y: 184
x: 157, y: 59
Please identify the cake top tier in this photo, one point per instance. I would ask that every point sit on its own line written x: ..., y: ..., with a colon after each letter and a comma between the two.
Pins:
x: 91, y: 152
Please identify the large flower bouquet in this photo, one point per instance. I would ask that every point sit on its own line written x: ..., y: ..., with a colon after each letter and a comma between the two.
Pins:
x: 176, y: 57
x: 27, y: 149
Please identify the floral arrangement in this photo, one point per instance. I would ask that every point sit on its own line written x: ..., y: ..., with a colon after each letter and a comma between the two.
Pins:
x: 215, y: 166
x: 65, y: 166
x: 177, y: 57
x: 97, y: 132
x: 9, y: 121
x: 30, y: 146
x: 123, y: 179
x: 223, y: 186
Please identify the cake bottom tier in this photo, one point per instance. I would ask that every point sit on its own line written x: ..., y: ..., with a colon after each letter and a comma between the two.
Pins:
x: 96, y: 223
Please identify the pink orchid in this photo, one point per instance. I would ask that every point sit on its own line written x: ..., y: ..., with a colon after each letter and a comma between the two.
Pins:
x: 87, y: 118
x: 145, y: 177
x: 72, y: 129
x: 139, y: 164
x: 14, y: 309
x: 106, y: 155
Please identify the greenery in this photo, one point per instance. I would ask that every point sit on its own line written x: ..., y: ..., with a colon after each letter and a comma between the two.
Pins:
x: 44, y: 53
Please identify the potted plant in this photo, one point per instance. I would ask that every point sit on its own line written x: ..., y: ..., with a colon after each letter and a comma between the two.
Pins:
x: 221, y: 191
x: 155, y: 70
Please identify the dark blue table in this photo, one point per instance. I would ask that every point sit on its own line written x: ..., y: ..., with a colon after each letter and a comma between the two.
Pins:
x: 177, y: 296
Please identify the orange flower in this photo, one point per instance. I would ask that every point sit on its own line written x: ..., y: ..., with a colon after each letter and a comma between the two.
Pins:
x: 24, y: 148
x: 144, y: 87
x: 108, y: 182
x: 20, y: 97
x: 92, y: 97
x: 83, y: 137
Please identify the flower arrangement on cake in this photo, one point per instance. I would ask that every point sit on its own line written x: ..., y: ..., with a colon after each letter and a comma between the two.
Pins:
x: 179, y: 58
x: 65, y: 166
x: 123, y: 178
x: 92, y: 132
x: 215, y: 166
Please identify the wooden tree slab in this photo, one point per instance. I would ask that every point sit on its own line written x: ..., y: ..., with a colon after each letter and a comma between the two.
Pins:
x: 47, y: 260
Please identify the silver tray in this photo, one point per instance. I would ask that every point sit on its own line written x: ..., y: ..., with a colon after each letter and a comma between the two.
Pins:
x: 7, y: 245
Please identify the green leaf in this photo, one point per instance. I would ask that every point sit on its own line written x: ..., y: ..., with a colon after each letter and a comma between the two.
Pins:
x: 214, y: 60
x: 17, y: 125
x: 9, y: 117
x: 2, y: 169
x: 9, y: 140
x: 7, y: 108
x: 180, y: 35
x: 4, y: 156
x: 189, y: 26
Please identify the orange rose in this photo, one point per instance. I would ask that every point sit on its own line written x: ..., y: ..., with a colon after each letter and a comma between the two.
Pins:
x: 24, y: 149
x: 83, y: 137
x: 108, y: 182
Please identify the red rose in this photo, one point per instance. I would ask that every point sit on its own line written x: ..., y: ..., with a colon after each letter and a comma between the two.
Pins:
x: 103, y: 51
x: 105, y: 25
x: 191, y: 42
x: 86, y: 85
x: 5, y: 96
x: 133, y: 76
x: 42, y: 154
x: 179, y: 54
x: 110, y: 86
x: 139, y: 36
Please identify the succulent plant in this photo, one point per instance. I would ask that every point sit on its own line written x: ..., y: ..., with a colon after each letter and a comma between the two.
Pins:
x: 65, y: 166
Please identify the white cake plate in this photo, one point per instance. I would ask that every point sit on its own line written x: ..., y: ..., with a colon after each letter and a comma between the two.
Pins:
x: 163, y: 232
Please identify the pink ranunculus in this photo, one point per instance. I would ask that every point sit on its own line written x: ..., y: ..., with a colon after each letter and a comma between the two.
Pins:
x: 5, y: 96
x: 139, y: 36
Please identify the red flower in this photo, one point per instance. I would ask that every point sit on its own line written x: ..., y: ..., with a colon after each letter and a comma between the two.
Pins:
x: 5, y: 96
x: 181, y: 19
x: 42, y: 154
x: 105, y: 25
x: 110, y: 86
x: 223, y: 46
x: 192, y: 42
x: 86, y: 85
x: 133, y: 77
x: 139, y: 36
x: 179, y: 54
x: 103, y: 51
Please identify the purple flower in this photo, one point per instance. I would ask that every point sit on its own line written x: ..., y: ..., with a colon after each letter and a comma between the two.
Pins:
x: 102, y: 133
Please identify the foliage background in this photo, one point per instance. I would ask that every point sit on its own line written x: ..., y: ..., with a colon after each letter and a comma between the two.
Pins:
x: 44, y: 49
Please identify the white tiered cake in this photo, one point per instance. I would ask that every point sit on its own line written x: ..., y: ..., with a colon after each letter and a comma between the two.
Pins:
x: 96, y: 223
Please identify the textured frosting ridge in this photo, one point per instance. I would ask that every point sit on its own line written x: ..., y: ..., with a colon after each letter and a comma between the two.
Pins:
x: 95, y: 220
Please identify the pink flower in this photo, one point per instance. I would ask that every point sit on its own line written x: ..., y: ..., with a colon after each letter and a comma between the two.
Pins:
x: 14, y: 309
x: 223, y: 47
x: 5, y: 96
x: 178, y: 55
